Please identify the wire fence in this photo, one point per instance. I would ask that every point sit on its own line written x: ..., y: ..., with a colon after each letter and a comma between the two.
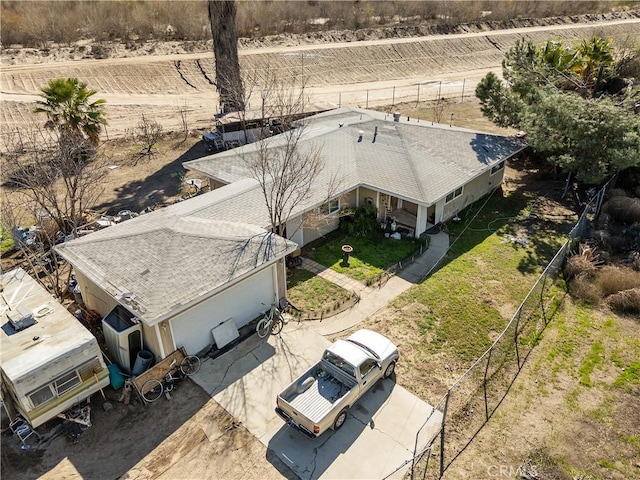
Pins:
x: 471, y: 401
x: 438, y: 92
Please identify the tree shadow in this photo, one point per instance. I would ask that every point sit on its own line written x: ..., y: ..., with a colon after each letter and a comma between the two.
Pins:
x: 157, y: 188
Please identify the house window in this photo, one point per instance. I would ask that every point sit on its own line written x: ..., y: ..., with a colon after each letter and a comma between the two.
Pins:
x: 333, y: 206
x: 455, y: 194
x: 497, y: 168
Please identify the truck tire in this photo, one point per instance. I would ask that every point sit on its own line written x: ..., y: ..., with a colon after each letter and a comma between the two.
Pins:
x: 340, y: 419
x: 390, y: 369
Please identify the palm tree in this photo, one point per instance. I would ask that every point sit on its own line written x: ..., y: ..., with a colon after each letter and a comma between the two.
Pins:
x: 69, y: 108
x: 597, y: 60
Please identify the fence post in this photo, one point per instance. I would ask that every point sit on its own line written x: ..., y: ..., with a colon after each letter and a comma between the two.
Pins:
x: 515, y: 341
x: 484, y: 385
x: 544, y: 313
x: 444, y: 418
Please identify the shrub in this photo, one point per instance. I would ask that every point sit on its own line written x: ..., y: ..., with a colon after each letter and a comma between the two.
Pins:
x: 626, y: 301
x: 613, y: 279
x: 623, y: 209
x: 581, y: 264
x: 584, y: 289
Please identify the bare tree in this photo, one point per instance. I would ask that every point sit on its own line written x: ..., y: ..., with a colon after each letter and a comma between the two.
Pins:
x: 57, y: 178
x: 289, y: 168
x: 52, y: 182
x: 149, y: 133
x: 184, y: 119
x: 222, y: 15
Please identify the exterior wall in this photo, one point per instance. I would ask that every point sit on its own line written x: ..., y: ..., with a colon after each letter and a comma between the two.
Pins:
x: 281, y: 280
x: 85, y: 359
x: 472, y: 191
x: 410, y: 207
x: 313, y: 233
x: 152, y: 343
x: 241, y: 301
x: 166, y: 338
x: 349, y: 199
x: 364, y: 194
x: 94, y: 297
x: 213, y: 184
x: 295, y: 230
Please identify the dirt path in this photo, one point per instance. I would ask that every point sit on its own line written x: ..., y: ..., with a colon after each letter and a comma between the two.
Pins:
x: 368, y: 73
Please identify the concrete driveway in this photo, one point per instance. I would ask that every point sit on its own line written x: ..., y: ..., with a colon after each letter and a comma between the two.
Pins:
x: 379, y: 434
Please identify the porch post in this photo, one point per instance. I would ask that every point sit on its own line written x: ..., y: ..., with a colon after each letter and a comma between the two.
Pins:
x: 378, y: 205
x: 421, y: 220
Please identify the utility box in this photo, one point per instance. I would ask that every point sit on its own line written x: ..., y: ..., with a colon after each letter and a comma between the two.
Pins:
x: 123, y: 336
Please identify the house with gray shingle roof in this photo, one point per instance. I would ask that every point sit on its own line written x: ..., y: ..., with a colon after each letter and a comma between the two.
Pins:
x: 181, y: 275
x: 415, y: 173
x: 190, y: 270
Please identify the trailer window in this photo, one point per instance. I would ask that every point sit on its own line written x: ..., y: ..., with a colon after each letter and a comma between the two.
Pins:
x: 66, y: 382
x: 40, y: 396
x: 59, y: 386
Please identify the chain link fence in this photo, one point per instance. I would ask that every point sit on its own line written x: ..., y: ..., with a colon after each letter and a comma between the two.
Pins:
x: 471, y: 401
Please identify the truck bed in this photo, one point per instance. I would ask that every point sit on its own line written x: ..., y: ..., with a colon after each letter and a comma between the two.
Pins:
x: 317, y: 400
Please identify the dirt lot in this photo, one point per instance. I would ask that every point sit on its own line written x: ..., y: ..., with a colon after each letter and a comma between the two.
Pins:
x: 165, y: 79
x: 187, y: 437
x: 191, y: 436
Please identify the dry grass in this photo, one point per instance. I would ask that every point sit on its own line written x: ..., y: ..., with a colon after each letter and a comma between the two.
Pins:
x: 613, y: 279
x: 626, y: 301
x: 584, y: 289
x: 578, y: 266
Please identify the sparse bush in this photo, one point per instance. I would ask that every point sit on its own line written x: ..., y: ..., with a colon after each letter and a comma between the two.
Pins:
x: 612, y: 279
x: 584, y: 289
x: 582, y: 264
x: 34, y: 23
x: 623, y: 209
x: 626, y: 301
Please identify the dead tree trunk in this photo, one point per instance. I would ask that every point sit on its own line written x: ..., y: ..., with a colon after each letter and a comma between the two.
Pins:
x: 222, y: 15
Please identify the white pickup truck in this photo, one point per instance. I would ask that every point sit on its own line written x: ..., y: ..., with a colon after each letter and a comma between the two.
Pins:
x: 320, y: 398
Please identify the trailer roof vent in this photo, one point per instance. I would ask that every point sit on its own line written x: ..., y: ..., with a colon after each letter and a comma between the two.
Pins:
x: 20, y: 320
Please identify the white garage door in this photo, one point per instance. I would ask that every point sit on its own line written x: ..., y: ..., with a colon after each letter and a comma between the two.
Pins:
x: 243, y: 302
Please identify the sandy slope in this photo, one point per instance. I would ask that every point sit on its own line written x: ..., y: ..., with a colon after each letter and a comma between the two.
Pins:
x: 366, y: 73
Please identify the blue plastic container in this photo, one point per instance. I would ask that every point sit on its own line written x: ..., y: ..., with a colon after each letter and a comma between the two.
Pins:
x: 115, y: 376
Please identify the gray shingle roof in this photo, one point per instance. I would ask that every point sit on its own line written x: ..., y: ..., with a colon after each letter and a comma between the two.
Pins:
x: 167, y: 259
x: 413, y: 160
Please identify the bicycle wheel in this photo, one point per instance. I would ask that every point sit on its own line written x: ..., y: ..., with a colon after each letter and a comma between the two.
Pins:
x: 152, y: 390
x: 264, y: 327
x: 190, y: 365
x: 278, y: 324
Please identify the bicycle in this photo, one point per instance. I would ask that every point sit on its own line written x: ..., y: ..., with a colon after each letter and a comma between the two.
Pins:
x: 271, y: 322
x: 153, y: 389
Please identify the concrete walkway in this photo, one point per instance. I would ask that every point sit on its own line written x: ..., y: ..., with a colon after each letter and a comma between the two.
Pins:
x: 374, y: 299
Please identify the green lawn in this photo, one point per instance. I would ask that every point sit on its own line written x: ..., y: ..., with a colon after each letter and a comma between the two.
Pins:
x: 463, y: 306
x: 311, y: 293
x: 370, y: 257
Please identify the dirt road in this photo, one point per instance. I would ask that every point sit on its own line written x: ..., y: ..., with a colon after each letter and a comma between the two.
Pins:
x: 368, y: 73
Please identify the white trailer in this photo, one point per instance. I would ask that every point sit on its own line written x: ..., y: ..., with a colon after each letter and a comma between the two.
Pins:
x: 48, y: 360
